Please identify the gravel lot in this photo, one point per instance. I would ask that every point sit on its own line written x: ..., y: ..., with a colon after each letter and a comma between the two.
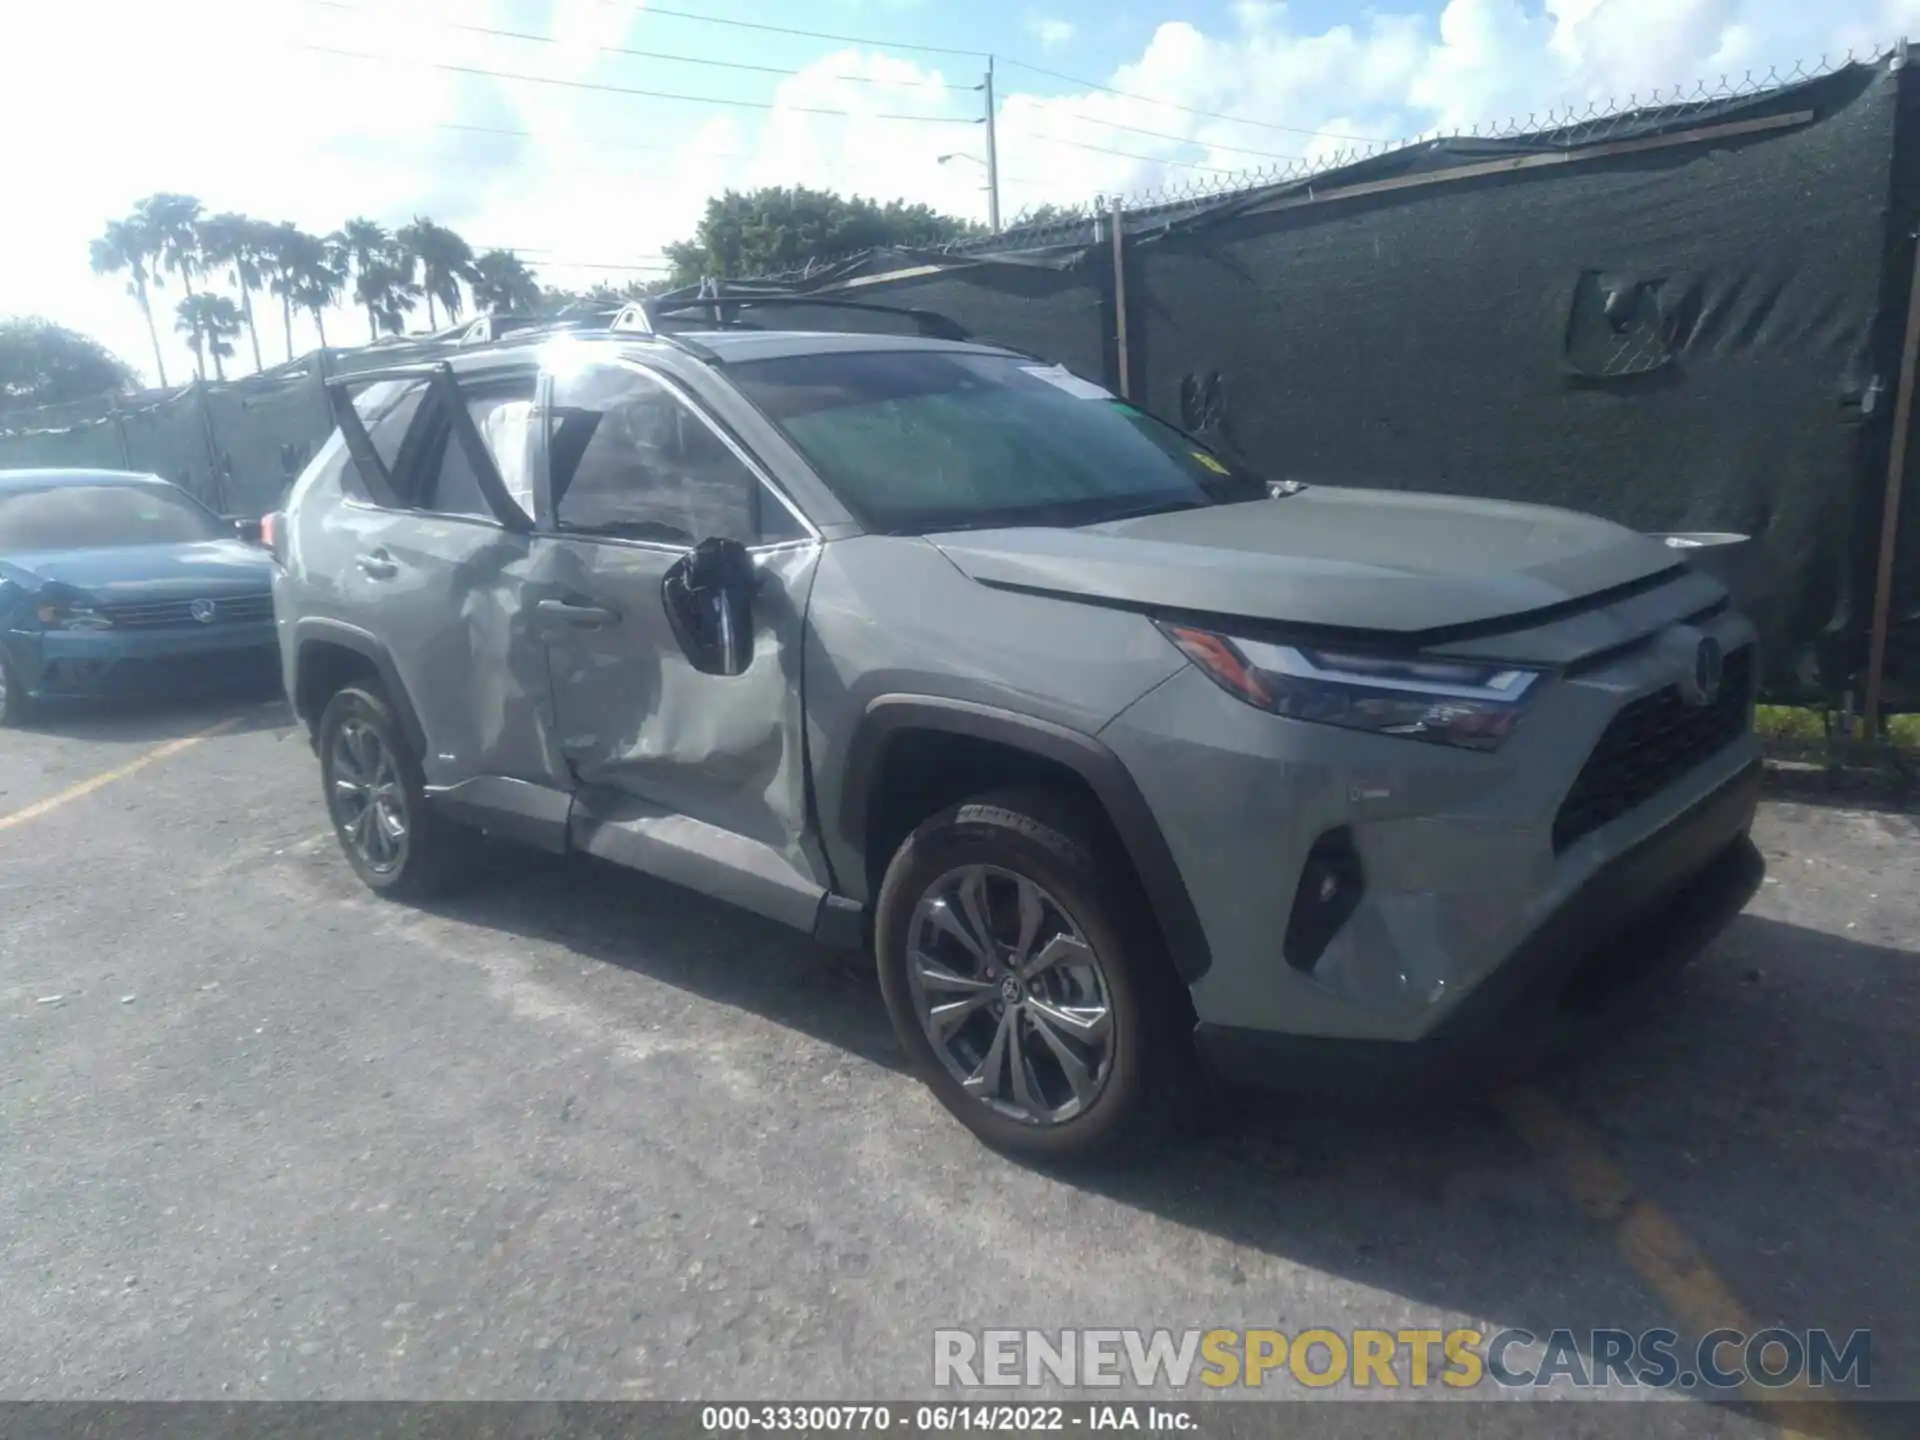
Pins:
x: 578, y: 1134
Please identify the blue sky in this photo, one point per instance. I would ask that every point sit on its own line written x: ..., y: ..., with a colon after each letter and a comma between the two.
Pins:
x: 528, y: 135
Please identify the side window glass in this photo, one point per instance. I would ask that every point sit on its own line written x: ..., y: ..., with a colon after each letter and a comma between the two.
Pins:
x: 388, y: 411
x: 777, y: 522
x: 628, y: 459
x: 502, y: 415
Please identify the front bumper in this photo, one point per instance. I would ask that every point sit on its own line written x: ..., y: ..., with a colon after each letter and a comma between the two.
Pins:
x: 55, y: 665
x: 1461, y: 855
x: 1646, y: 912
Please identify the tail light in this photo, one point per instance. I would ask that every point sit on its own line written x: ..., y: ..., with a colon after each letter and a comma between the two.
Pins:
x: 273, y: 534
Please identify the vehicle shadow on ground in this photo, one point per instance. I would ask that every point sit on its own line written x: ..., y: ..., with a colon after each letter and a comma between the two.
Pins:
x: 1762, y: 1101
x: 158, y: 721
x: 716, y: 951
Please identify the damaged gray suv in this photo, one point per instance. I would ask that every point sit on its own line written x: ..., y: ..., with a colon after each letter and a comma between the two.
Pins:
x: 1131, y: 767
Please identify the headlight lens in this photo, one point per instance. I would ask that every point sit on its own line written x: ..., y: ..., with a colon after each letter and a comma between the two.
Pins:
x: 64, y: 615
x: 1466, y: 704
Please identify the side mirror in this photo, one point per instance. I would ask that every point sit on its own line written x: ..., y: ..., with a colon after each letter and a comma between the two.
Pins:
x: 247, y: 530
x: 709, y: 600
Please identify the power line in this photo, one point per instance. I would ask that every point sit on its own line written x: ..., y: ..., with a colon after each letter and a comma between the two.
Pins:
x: 630, y: 90
x: 651, y: 9
x: 660, y: 267
x: 776, y: 70
x: 628, y: 50
x: 1174, y: 105
x: 1178, y: 139
x: 531, y: 37
x: 610, y: 144
x: 1128, y: 154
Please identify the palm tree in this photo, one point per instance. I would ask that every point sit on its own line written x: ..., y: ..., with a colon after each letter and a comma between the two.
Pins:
x: 282, y: 246
x: 241, y: 244
x: 124, y: 247
x: 445, y: 260
x: 210, y: 322
x: 389, y: 292
x: 367, y: 245
x: 318, y: 276
x: 172, y: 226
x: 502, y: 282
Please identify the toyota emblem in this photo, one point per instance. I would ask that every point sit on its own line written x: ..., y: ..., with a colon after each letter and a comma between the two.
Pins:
x: 203, y: 610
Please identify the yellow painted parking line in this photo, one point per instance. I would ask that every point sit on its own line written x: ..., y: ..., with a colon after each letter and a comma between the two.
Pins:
x: 1659, y: 1252
x: 100, y: 781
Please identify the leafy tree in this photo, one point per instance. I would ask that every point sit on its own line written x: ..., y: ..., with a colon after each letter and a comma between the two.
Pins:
x: 445, y: 259
x: 125, y: 249
x: 758, y: 232
x: 46, y: 364
x: 502, y: 284
x: 243, y: 246
x: 210, y: 322
x: 1047, y: 214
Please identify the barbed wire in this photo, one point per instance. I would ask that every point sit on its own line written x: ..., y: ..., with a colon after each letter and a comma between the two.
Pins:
x: 1566, y: 127
x: 1562, y: 127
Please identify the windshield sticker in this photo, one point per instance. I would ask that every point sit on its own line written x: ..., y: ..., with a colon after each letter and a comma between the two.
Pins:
x: 1063, y: 379
x: 1212, y: 464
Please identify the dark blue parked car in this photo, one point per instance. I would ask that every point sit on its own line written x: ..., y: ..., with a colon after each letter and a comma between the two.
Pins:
x: 121, y: 584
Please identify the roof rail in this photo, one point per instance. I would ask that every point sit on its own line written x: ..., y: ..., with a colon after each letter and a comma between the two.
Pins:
x: 720, y: 304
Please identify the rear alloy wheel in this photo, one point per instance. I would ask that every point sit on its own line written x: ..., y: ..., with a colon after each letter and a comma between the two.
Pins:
x: 369, y: 806
x: 376, y: 799
x: 1026, y: 983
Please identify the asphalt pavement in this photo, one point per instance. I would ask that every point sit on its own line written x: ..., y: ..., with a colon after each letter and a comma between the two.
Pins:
x: 579, y: 1134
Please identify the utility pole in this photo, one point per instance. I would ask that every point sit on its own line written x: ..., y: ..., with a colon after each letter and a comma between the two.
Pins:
x: 993, y: 159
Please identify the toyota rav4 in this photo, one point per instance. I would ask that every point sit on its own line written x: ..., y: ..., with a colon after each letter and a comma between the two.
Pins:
x: 1117, y: 756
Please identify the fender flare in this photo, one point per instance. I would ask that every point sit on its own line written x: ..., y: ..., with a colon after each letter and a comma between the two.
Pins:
x: 1087, y: 757
x: 316, y: 631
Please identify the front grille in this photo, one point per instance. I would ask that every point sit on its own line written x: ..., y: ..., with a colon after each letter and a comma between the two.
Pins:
x: 1651, y: 743
x: 170, y: 614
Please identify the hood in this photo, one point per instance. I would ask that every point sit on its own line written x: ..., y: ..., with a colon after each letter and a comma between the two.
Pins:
x: 116, y: 574
x: 1375, y: 560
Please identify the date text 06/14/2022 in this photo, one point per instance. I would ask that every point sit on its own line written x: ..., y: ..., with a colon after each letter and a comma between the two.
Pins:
x: 944, y: 1418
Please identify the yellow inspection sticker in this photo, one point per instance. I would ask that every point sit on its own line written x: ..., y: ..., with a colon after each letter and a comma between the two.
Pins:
x: 1211, y: 463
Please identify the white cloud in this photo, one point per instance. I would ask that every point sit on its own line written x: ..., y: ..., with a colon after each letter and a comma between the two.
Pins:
x: 1050, y: 33
x: 212, y: 97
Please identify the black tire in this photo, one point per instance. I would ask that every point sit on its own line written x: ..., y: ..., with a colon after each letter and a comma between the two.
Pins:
x: 1040, y: 835
x: 15, y: 707
x: 434, y: 853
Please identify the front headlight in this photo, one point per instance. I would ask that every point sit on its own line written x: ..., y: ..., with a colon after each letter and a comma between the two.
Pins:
x: 64, y: 615
x: 1463, y: 703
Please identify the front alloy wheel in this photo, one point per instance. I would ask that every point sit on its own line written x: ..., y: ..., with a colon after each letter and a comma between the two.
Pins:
x: 1010, y: 995
x: 1026, y: 981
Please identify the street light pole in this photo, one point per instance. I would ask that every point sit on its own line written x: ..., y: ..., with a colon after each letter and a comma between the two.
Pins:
x: 993, y: 159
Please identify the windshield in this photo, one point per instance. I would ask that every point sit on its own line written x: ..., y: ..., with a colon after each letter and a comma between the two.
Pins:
x: 91, y: 517
x: 921, y: 440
